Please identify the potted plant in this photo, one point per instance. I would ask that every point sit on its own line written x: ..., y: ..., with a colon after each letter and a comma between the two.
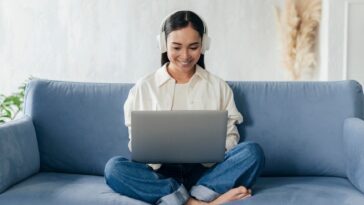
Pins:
x: 12, y: 105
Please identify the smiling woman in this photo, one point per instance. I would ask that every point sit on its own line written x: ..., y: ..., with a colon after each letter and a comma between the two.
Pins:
x: 184, y: 47
x: 183, y: 83
x: 196, y: 31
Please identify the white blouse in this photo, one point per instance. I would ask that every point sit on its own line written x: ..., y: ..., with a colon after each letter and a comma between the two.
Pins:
x: 180, y: 97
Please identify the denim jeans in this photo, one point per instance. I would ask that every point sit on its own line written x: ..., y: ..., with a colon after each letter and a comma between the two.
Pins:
x: 175, y: 183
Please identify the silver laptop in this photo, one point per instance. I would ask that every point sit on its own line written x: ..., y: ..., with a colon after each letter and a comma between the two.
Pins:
x: 178, y: 136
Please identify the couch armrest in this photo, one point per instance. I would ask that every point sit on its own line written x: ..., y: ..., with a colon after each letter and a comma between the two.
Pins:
x: 19, y: 154
x: 354, y: 148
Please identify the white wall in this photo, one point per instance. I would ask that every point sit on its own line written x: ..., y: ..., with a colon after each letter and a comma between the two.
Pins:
x: 114, y: 40
x: 345, y: 42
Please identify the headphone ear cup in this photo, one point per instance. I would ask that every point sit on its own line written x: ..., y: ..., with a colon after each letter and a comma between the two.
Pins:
x: 206, y: 41
x: 158, y: 41
x: 162, y: 42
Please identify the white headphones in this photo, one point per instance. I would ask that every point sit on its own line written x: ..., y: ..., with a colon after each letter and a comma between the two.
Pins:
x: 161, y: 38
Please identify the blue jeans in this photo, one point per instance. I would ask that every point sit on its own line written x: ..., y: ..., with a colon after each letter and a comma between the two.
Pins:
x: 170, y: 184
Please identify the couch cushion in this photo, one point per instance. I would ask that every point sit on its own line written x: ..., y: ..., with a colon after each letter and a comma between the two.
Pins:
x: 303, y: 191
x: 60, y: 189
x: 299, y: 124
x: 71, y: 189
x: 19, y: 156
x: 79, y: 126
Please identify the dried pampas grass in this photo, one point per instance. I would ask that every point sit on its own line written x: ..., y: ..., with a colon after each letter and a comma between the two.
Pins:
x: 298, y: 23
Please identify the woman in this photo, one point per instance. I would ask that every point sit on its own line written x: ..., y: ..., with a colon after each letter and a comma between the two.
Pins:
x: 183, y: 83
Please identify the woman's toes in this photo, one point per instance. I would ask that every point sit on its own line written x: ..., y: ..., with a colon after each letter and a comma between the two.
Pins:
x: 243, y: 190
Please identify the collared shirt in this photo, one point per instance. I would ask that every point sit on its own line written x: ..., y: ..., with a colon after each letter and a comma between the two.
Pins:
x: 205, y: 92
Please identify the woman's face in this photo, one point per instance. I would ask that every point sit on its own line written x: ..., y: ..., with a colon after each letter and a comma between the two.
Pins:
x: 184, y: 49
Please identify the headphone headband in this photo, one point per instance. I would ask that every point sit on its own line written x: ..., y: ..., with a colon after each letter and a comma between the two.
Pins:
x: 163, y: 24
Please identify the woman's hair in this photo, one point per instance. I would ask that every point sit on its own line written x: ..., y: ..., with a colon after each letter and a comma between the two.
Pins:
x: 179, y: 20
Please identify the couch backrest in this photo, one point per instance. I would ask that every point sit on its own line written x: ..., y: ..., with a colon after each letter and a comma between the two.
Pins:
x: 299, y: 124
x: 80, y: 126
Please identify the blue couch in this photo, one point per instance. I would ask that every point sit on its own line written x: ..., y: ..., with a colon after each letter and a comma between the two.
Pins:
x: 312, y: 134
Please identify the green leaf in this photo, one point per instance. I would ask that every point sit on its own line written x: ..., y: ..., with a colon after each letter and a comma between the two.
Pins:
x: 9, y: 99
x: 7, y: 113
x: 17, y: 101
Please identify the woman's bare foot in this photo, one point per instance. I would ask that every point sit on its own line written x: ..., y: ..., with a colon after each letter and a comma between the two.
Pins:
x: 231, y: 195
